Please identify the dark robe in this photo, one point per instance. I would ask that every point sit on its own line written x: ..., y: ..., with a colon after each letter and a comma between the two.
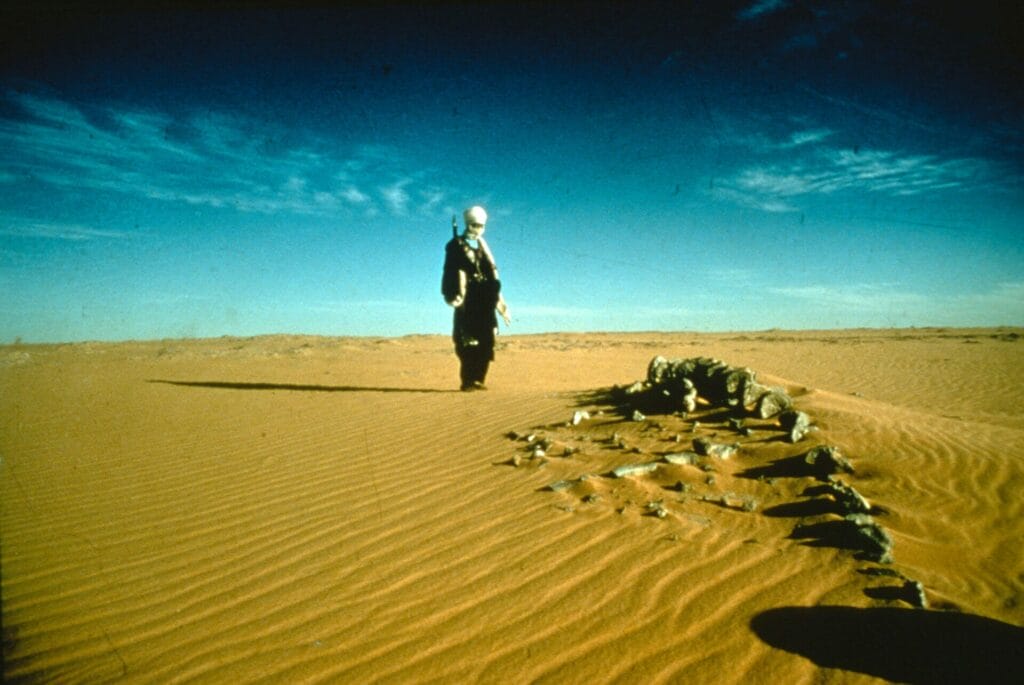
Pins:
x: 475, y: 321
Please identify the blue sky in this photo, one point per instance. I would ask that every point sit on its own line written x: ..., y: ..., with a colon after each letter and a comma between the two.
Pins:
x: 176, y: 172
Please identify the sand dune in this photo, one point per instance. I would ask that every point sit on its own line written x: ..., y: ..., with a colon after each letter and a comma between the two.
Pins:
x: 331, y: 510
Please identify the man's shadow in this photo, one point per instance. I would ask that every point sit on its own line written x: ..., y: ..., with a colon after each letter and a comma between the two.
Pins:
x: 900, y: 645
x: 234, y: 385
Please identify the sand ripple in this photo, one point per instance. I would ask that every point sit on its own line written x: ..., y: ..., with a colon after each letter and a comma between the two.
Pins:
x: 314, y: 510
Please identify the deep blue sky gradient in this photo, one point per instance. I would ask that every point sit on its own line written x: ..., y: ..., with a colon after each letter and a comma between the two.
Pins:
x: 185, y: 172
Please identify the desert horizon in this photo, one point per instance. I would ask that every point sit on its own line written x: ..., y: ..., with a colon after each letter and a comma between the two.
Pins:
x: 332, y: 509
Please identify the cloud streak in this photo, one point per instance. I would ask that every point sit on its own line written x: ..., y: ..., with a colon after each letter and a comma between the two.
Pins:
x: 822, y: 169
x: 877, y: 303
x: 55, y: 231
x: 761, y: 8
x: 216, y: 159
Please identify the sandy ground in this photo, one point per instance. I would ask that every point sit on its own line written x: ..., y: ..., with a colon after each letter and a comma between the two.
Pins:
x: 296, y: 509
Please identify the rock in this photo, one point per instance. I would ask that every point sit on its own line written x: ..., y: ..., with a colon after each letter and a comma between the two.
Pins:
x: 638, y: 416
x: 705, y: 447
x: 825, y: 460
x: 796, y: 423
x: 730, y: 500
x: 753, y: 392
x: 591, y: 498
x: 701, y: 446
x: 561, y: 485
x: 874, y: 541
x: 679, y: 458
x: 538, y: 452
x: 637, y: 388
x: 689, y: 400
x: 851, y: 501
x: 720, y: 451
x: 635, y: 469
x: 657, y: 370
x: 736, y: 382
x: 657, y: 509
x: 580, y: 416
x: 773, y: 402
x: 913, y: 593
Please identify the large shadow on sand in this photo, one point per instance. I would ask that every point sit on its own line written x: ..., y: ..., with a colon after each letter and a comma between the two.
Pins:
x: 232, y: 385
x: 900, y: 645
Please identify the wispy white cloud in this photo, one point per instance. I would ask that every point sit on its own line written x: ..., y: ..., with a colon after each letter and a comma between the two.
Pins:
x: 354, y: 196
x: 762, y: 144
x: 860, y: 296
x: 891, y: 303
x: 798, y: 138
x: 900, y: 118
x: 215, y: 159
x: 57, y: 231
x: 824, y: 170
x: 761, y: 8
x: 396, y: 198
x: 753, y: 200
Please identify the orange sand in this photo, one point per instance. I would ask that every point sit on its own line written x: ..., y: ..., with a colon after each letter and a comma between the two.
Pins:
x: 331, y: 510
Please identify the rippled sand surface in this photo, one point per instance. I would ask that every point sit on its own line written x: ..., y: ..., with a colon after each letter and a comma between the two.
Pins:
x: 332, y: 510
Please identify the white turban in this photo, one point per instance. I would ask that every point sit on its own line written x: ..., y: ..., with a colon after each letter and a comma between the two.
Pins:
x: 475, y: 215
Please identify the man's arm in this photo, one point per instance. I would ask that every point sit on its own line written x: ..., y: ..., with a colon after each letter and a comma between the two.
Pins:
x: 502, y: 308
x: 453, y: 279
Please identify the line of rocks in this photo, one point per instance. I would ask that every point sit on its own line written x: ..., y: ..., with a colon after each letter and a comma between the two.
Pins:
x: 858, y: 529
x: 674, y: 385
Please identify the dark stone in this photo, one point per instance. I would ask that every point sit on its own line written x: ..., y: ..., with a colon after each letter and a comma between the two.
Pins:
x: 795, y: 423
x: 849, y: 500
x: 913, y: 594
x: 635, y: 469
x: 826, y: 460
x: 857, y: 532
x: 875, y: 542
x: 688, y: 458
x: 705, y: 447
x: 772, y: 403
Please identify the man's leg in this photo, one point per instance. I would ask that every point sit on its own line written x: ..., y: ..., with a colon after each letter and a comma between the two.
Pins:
x: 475, y: 360
x: 465, y: 366
x: 483, y: 363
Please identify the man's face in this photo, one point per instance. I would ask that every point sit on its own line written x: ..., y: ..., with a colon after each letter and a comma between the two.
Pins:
x: 474, y: 230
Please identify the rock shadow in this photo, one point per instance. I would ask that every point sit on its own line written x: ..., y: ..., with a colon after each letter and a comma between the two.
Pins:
x: 787, y: 467
x: 840, y: 534
x: 899, y: 645
x: 804, y: 508
x: 887, y: 593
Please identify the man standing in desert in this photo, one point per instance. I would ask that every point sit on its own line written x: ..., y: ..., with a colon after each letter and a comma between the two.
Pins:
x: 471, y: 285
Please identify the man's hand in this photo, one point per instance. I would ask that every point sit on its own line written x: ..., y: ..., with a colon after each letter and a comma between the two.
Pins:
x: 505, y: 315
